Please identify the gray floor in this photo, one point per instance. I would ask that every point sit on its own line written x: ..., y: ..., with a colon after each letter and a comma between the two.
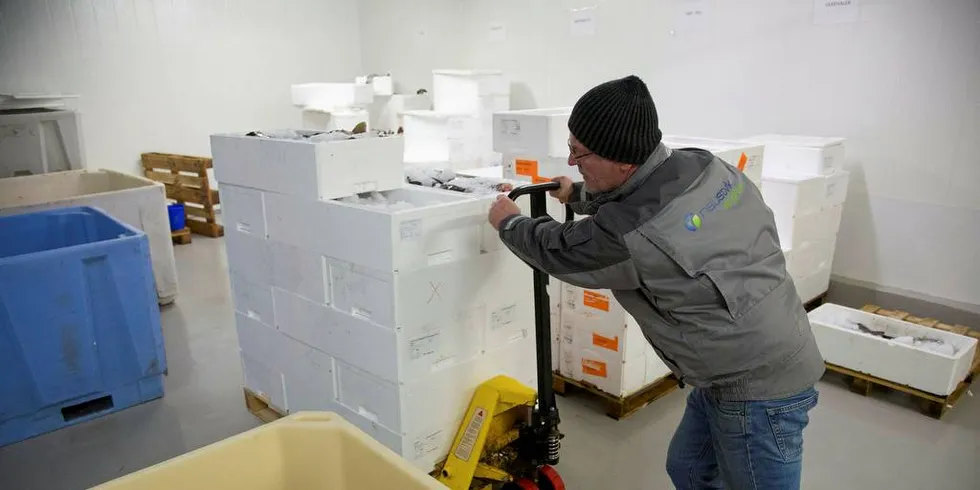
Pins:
x: 852, y: 442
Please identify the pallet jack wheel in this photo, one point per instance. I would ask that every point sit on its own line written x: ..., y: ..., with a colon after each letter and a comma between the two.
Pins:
x: 550, y: 479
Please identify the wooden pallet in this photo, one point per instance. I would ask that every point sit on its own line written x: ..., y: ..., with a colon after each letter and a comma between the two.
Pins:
x: 186, y: 180
x: 619, y: 407
x: 930, y: 404
x: 815, y: 302
x: 258, y: 405
x: 181, y: 236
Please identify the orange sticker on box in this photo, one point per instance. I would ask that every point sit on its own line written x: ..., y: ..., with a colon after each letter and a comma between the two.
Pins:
x: 611, y: 343
x: 595, y: 300
x: 742, y: 160
x: 594, y: 368
x: 539, y: 180
x: 528, y: 168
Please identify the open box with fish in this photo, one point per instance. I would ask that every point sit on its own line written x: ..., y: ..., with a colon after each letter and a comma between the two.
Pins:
x: 927, y: 359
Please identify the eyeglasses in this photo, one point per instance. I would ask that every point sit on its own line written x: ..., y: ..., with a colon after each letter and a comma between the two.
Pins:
x: 574, y: 159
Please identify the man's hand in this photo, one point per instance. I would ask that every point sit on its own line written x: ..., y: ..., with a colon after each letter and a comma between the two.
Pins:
x: 563, y: 193
x: 501, y: 208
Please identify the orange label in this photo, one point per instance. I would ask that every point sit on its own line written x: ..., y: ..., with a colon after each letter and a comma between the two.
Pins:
x: 594, y: 368
x: 742, y: 160
x: 611, y: 343
x: 595, y: 300
x: 539, y: 180
x: 527, y: 168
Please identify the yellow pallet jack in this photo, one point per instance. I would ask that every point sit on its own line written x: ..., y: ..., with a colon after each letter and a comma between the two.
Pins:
x: 509, y: 438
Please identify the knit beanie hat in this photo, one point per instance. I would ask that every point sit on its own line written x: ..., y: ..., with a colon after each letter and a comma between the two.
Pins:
x: 617, y: 120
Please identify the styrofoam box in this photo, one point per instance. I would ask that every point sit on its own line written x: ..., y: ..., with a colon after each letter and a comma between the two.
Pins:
x: 813, y: 285
x: 380, y: 85
x: 810, y: 258
x: 439, y: 137
x: 460, y: 91
x: 532, y: 132
x: 330, y: 96
x: 837, y: 334
x: 136, y: 201
x: 794, y: 196
x: 418, y: 420
x: 443, y: 227
x: 807, y: 155
x: 732, y: 152
x: 345, y: 119
x: 603, y: 345
x: 324, y: 170
x: 794, y: 231
x: 836, y: 185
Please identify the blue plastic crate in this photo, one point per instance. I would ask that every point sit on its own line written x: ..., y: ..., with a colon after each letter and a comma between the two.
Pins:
x: 79, y: 324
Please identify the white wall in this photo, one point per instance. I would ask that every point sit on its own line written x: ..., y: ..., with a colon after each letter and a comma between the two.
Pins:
x: 902, y: 84
x: 162, y: 75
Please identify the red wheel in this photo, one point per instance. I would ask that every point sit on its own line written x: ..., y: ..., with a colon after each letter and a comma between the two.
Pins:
x: 550, y: 479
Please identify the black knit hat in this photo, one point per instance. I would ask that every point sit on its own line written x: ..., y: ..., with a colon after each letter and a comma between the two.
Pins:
x: 617, y: 121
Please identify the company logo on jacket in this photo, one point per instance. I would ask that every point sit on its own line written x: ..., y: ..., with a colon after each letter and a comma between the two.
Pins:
x: 726, y: 197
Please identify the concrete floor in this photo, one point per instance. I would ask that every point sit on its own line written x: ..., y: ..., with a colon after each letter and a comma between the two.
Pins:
x: 852, y: 442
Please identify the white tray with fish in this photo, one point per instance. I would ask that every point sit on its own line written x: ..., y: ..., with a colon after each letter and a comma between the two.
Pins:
x: 927, y: 359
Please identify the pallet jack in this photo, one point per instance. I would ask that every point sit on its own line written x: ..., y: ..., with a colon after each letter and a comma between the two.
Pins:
x: 509, y: 438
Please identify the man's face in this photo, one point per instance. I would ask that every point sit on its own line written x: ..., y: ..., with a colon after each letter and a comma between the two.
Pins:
x: 599, y: 174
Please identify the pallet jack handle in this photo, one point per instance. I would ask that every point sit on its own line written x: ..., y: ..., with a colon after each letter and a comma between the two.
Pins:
x: 547, y: 409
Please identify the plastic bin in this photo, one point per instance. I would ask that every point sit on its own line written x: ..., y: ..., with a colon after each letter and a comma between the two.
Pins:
x: 177, y: 218
x: 306, y: 450
x: 79, y: 325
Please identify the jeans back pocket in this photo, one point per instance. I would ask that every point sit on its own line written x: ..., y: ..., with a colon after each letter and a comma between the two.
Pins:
x: 787, y: 423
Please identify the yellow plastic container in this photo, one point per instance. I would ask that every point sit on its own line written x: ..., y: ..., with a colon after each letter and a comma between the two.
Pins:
x: 306, y: 450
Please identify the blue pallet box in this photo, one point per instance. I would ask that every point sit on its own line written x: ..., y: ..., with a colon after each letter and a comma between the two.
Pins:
x: 80, y: 329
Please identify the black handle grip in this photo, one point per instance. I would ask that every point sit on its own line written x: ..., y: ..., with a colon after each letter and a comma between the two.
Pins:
x: 532, y: 189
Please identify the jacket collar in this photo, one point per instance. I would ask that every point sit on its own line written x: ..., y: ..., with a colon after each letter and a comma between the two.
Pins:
x: 657, y: 158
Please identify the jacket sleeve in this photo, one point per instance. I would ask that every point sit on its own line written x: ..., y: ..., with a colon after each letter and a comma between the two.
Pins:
x: 587, y: 253
x: 578, y: 199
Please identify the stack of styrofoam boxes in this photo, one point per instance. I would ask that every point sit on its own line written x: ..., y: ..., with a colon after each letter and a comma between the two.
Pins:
x: 805, y: 186
x: 387, y: 109
x: 389, y: 314
x: 602, y: 344
x: 457, y: 133
x: 330, y: 106
x: 747, y: 157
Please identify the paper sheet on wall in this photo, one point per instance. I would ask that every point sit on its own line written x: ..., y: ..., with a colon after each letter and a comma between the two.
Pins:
x: 496, y: 32
x: 691, y: 14
x: 836, y: 11
x: 582, y: 22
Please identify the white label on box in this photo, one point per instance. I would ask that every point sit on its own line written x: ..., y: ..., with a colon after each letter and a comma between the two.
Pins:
x: 424, y: 346
x: 426, y: 444
x: 503, y: 317
x: 438, y: 258
x: 411, y: 229
x: 510, y: 127
x: 244, y: 228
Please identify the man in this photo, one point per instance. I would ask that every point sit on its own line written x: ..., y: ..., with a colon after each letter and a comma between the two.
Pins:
x: 688, y: 247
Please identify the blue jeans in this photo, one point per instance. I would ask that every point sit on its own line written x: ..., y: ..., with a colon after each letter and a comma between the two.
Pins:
x: 740, y: 445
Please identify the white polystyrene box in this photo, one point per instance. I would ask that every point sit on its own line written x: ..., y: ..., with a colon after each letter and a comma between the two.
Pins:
x: 437, y: 227
x: 461, y: 91
x: 243, y: 209
x: 841, y: 343
x: 313, y: 170
x: 380, y: 84
x: 439, y: 137
x: 836, y: 188
x: 532, y: 132
x: 136, y: 201
x: 796, y: 230
x: 792, y: 196
x: 344, y: 119
x: 391, y: 109
x: 810, y: 258
x: 813, y: 285
x: 330, y: 96
x: 603, y: 345
x: 251, y: 299
x: 750, y: 158
x: 807, y: 155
